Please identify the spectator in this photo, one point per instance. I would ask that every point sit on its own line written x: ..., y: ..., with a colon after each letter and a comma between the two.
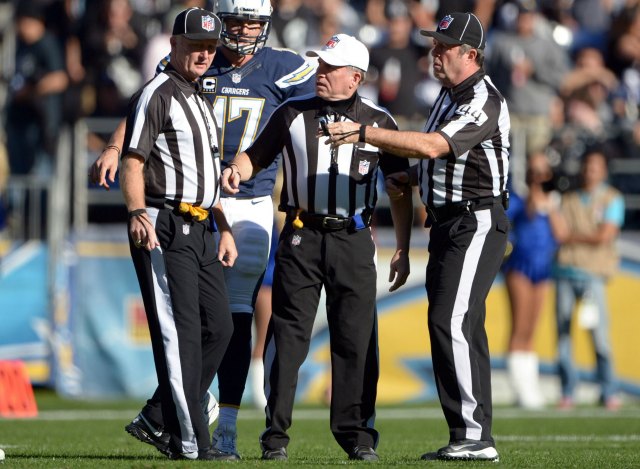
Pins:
x: 623, y: 56
x: 586, y: 260
x: 588, y: 20
x: 584, y: 128
x: 64, y: 19
x: 482, y: 9
x: 114, y: 47
x: 330, y: 17
x: 528, y: 67
x: 292, y: 19
x: 300, y: 24
x: 589, y: 69
x: 34, y: 107
x: 624, y: 39
x: 536, y: 223
x: 395, y: 63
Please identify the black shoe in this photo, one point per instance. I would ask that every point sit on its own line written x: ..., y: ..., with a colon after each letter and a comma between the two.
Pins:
x: 141, y: 429
x: 278, y: 454
x: 364, y: 453
x: 213, y: 454
x: 465, y: 450
x: 220, y: 455
x: 432, y: 456
x: 209, y: 454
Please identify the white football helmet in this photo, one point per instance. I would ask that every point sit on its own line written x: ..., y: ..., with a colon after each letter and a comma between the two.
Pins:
x: 256, y: 10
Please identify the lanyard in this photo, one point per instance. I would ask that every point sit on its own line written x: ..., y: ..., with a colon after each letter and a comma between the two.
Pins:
x: 210, y: 132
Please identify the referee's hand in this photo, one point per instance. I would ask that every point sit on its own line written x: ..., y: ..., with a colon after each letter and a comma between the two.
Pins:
x: 343, y: 132
x: 396, y: 184
x: 227, y: 252
x: 103, y: 170
x: 399, y: 269
x: 143, y: 233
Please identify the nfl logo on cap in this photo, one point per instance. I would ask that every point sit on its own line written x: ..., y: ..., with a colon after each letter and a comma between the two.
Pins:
x: 208, y: 24
x: 342, y: 50
x: 331, y: 43
x: 197, y: 24
x: 445, y: 22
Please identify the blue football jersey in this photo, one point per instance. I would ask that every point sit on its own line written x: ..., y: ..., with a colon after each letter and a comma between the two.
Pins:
x: 243, y: 98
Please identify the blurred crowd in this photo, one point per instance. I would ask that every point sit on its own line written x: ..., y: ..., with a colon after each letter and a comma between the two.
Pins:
x: 568, y: 68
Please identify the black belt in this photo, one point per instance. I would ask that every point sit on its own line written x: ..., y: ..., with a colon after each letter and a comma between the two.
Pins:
x: 326, y: 222
x: 453, y: 210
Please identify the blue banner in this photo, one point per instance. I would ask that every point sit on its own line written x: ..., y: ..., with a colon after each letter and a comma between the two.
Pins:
x: 104, y: 349
x: 24, y: 309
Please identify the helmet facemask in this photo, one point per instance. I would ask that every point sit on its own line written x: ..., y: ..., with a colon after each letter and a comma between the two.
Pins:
x: 241, y: 44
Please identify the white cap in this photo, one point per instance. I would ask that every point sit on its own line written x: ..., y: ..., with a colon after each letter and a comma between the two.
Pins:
x: 343, y: 50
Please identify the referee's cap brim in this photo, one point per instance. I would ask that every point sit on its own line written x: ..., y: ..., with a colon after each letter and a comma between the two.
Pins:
x: 441, y: 38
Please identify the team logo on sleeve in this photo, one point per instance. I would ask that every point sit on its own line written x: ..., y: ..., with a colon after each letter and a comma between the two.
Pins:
x: 299, y: 75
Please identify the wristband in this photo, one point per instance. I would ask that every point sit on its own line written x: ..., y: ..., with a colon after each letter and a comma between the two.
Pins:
x: 234, y: 172
x: 137, y: 212
x: 113, y: 147
x: 237, y: 170
x: 408, y: 171
x: 361, y: 132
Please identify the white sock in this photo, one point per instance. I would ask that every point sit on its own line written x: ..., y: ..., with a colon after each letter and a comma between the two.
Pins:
x: 256, y: 375
x: 523, y: 372
x: 228, y: 416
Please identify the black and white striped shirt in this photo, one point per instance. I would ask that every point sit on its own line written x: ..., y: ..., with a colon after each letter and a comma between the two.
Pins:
x: 474, y: 119
x: 309, y: 183
x: 172, y: 127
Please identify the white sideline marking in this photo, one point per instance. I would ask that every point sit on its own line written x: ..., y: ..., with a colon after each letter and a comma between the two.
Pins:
x: 323, y: 414
x: 569, y: 438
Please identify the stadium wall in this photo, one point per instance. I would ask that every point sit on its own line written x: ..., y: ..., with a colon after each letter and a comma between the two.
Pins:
x: 95, y: 343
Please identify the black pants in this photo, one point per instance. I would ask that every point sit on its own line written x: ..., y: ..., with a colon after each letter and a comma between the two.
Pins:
x: 465, y: 253
x: 343, y: 262
x: 185, y: 299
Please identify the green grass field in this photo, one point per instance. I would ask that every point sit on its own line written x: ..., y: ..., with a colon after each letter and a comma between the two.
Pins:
x: 70, y: 434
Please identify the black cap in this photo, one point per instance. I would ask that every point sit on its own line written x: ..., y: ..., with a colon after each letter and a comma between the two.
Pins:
x: 459, y: 28
x: 197, y: 24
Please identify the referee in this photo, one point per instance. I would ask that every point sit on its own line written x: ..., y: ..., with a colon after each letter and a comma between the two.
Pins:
x: 170, y: 180
x: 462, y: 177
x: 329, y: 197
